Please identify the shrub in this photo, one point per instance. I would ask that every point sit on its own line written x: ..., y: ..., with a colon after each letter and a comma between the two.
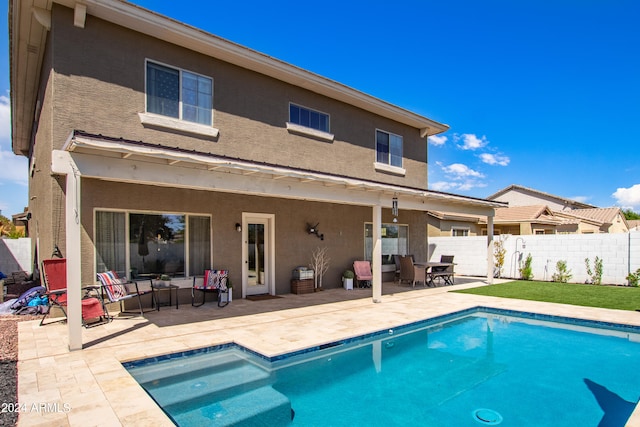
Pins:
x: 595, y: 276
x: 348, y: 274
x: 634, y: 278
x: 499, y: 253
x: 562, y: 274
x: 525, y: 271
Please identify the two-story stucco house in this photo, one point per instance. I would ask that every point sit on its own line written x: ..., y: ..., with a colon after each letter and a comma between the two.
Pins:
x: 157, y: 148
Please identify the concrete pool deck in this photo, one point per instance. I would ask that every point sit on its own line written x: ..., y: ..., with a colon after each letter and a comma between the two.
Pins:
x: 90, y: 387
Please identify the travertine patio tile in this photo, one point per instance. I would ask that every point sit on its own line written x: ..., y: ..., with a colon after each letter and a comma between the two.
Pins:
x: 101, y: 392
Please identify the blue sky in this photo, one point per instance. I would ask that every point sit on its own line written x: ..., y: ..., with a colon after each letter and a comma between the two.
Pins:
x: 544, y: 94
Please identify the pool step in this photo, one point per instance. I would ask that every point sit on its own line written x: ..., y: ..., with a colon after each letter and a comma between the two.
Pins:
x: 169, y: 368
x: 263, y: 406
x: 213, y: 383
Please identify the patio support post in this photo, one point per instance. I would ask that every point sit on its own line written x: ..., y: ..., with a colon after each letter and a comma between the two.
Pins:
x: 63, y: 163
x: 490, y: 256
x: 376, y: 260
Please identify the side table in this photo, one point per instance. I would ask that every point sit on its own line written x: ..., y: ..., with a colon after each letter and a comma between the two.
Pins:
x: 157, y: 287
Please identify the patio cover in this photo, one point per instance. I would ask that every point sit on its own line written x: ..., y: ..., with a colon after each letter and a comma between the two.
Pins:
x: 116, y: 159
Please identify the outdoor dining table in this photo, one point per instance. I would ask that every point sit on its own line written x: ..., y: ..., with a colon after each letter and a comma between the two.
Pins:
x: 440, y: 272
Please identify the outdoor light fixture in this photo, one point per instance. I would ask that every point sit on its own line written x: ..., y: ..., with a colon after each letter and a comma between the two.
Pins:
x: 313, y: 229
x: 238, y: 227
x: 394, y: 207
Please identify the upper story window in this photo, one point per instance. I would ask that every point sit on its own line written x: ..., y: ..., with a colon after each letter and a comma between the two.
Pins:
x: 388, y: 149
x: 308, y: 118
x: 179, y: 94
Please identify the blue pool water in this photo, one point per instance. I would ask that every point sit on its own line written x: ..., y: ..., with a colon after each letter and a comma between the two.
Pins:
x: 477, y: 368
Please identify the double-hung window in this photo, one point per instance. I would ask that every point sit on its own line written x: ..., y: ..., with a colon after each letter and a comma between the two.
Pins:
x: 179, y: 94
x: 388, y: 149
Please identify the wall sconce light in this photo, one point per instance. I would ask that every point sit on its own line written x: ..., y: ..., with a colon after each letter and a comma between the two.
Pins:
x: 238, y: 227
x: 313, y: 229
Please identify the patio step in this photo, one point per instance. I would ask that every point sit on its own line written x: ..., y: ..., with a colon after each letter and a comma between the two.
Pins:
x: 263, y: 406
x: 207, y: 383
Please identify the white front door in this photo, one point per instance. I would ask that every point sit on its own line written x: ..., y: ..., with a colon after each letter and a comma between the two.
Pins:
x: 257, y: 254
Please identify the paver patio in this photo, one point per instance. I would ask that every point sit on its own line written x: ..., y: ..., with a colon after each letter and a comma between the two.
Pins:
x: 90, y: 387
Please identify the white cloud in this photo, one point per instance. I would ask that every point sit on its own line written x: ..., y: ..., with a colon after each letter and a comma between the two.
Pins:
x: 628, y: 197
x: 459, y: 171
x: 471, y: 141
x: 14, y: 168
x: 451, y: 186
x: 437, y: 140
x: 494, y: 159
x: 5, y: 123
x: 443, y: 186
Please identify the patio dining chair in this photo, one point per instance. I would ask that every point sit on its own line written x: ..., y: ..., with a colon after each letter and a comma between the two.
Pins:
x: 54, y: 273
x: 213, y: 281
x: 362, y: 269
x: 118, y: 290
x: 445, y: 273
x: 409, y: 272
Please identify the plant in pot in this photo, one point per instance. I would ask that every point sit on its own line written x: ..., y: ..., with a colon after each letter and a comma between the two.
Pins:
x: 228, y: 296
x: 347, y: 279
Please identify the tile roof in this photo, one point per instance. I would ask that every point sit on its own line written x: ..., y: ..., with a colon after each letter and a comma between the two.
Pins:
x: 604, y: 215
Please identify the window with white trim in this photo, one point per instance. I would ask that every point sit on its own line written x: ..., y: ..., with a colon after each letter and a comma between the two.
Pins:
x: 308, y: 118
x: 459, y: 232
x: 179, y: 94
x: 388, y: 149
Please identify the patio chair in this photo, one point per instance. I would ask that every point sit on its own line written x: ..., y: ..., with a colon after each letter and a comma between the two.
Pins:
x: 213, y: 281
x: 54, y: 273
x: 396, y: 260
x: 445, y: 273
x: 362, y: 269
x: 119, y: 290
x: 410, y: 272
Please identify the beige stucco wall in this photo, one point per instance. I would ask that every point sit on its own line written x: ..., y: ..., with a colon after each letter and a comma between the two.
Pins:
x: 342, y: 226
x: 99, y: 88
x: 93, y: 80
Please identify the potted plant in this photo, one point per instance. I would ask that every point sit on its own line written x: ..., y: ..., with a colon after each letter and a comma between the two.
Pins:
x: 347, y: 279
x: 228, y: 296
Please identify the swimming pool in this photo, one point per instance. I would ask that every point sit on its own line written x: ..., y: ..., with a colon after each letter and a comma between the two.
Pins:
x: 472, y: 368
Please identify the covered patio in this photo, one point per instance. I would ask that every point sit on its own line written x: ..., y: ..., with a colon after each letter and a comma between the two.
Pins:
x: 91, y: 159
x: 94, y: 385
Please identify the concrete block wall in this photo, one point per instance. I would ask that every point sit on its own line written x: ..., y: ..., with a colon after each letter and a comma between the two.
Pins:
x: 15, y: 255
x: 620, y: 254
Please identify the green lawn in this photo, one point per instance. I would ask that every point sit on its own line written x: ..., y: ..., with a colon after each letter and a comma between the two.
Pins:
x: 621, y: 298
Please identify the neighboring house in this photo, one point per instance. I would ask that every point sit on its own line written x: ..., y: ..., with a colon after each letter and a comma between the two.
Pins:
x: 442, y: 224
x: 156, y: 148
x: 531, y: 219
x: 517, y: 195
x: 518, y: 220
x: 634, y: 224
x: 597, y: 220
